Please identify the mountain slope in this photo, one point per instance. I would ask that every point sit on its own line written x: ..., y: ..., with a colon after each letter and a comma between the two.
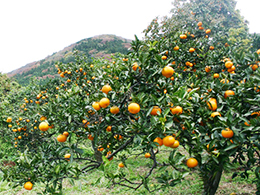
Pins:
x: 97, y: 46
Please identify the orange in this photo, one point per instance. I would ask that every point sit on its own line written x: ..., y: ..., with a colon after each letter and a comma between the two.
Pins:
x: 135, y: 66
x: 229, y: 93
x: 254, y: 67
x: 96, y: 106
x: 104, y: 102
x: 108, y: 129
x: 106, y: 89
x: 175, y: 144
x: 228, y: 64
x: 9, y: 119
x: 207, y: 68
x: 67, y: 156
x: 167, y: 71
x: 212, y: 104
x: 155, y: 110
x: 100, y: 148
x: 168, y: 140
x: 108, y: 154
x: 216, y: 75
x: 147, y: 155
x: 192, y: 162
x: 213, y: 114
x: 28, y: 185
x: 164, y: 57
x: 66, y: 133
x: 211, y: 47
x: 176, y: 48
x: 159, y: 141
x: 224, y: 81
x: 191, y: 50
x: 199, y: 24
x: 176, y: 110
x: 227, y: 133
x: 183, y: 36
x: 43, y: 118
x: 19, y: 137
x: 118, y: 137
x: 61, y: 138
x: 43, y: 126
x: 121, y: 165
x: 90, y: 137
x: 114, y: 110
x: 133, y: 108
x: 247, y: 123
x: 208, y: 31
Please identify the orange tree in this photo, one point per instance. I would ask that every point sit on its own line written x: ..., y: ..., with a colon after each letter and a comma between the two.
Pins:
x: 183, y: 85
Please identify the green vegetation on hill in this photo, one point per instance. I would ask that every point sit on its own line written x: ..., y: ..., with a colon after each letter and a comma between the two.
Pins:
x: 99, y: 46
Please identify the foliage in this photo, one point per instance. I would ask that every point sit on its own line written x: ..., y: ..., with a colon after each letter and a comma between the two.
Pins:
x: 202, y: 87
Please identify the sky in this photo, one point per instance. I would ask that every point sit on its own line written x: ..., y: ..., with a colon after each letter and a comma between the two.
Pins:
x: 30, y: 30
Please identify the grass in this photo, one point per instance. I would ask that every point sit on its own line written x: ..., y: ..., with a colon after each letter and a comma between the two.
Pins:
x: 87, y: 184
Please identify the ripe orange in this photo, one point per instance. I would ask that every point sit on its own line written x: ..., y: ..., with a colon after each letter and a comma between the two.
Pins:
x: 207, y: 68
x: 159, y: 141
x: 43, y: 118
x: 212, y: 104
x: 43, y: 126
x: 213, y: 114
x: 211, y: 47
x: 216, y: 75
x: 135, y: 66
x: 9, y: 119
x: 118, y: 137
x: 104, y: 102
x: 183, y: 36
x: 192, y: 162
x: 61, y: 138
x: 228, y: 64
x: 67, y: 156
x: 28, y: 185
x: 176, y: 48
x: 90, y: 137
x: 108, y: 129
x: 19, y: 137
x: 121, y: 165
x: 164, y: 57
x: 96, y: 106
x: 199, y: 24
x: 66, y: 133
x: 108, y: 154
x: 254, y: 67
x: 228, y: 133
x: 106, y: 89
x: 208, y: 31
x: 167, y: 71
x: 114, y: 110
x: 155, y: 110
x: 147, y: 155
x: 191, y: 50
x: 168, y: 140
x: 175, y: 144
x: 176, y: 110
x: 133, y: 108
x: 229, y: 93
x: 224, y: 81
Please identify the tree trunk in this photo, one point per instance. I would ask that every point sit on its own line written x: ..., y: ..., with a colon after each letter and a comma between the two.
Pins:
x: 211, y: 180
x: 97, y: 154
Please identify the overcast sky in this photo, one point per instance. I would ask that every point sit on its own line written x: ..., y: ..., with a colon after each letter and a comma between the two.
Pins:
x: 30, y: 30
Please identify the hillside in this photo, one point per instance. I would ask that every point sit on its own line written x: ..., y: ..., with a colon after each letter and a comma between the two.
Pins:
x: 97, y: 46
